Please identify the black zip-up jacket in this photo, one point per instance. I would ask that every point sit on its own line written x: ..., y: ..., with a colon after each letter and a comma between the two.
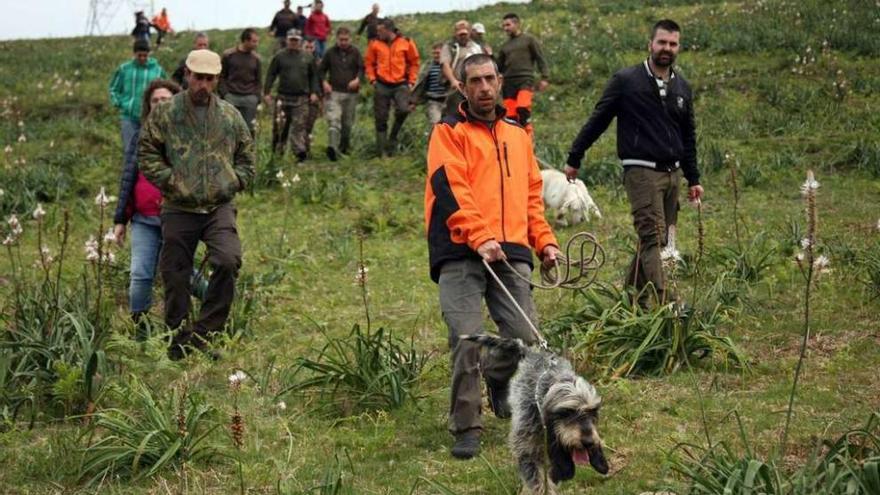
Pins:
x: 649, y: 128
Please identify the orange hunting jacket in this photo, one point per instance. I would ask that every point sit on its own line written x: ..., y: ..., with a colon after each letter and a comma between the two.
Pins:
x: 162, y: 22
x: 392, y: 63
x: 483, y: 183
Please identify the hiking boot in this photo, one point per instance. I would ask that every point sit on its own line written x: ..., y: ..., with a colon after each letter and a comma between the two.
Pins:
x: 498, y: 399
x: 185, y: 342
x: 467, y: 444
x: 331, y: 154
x: 301, y: 156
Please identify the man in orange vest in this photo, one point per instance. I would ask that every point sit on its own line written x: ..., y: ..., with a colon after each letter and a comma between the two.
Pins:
x: 392, y: 67
x: 483, y: 202
x: 163, y: 26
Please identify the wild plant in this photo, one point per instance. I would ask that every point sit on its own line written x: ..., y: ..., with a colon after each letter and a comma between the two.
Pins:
x: 365, y: 370
x: 624, y: 339
x: 160, y: 433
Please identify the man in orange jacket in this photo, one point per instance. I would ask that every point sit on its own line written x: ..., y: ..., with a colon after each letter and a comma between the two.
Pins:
x: 163, y: 26
x: 392, y: 67
x: 482, y: 202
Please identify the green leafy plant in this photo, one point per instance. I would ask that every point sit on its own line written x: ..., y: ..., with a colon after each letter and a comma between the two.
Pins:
x: 154, y: 435
x: 624, y: 339
x: 366, y: 370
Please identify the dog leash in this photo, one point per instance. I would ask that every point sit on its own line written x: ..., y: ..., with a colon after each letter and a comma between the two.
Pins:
x: 541, y: 341
x: 575, y: 273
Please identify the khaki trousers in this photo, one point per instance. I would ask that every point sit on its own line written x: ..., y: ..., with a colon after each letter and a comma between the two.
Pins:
x: 653, y: 199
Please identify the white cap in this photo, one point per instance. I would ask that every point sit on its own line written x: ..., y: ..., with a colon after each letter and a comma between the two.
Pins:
x: 479, y: 28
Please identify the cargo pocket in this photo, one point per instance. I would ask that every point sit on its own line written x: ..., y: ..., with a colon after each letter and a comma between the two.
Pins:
x: 639, y: 187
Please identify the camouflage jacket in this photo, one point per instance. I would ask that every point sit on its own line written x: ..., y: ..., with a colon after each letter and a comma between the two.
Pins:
x: 197, y: 167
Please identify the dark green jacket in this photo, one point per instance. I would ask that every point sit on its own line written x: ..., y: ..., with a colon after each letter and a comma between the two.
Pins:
x: 517, y: 58
x: 197, y: 166
x: 296, y: 71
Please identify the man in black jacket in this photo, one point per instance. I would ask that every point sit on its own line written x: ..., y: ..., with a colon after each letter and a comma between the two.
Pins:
x: 655, y: 138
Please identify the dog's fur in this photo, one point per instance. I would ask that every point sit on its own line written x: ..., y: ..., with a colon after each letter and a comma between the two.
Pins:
x: 555, y: 415
x: 567, y: 199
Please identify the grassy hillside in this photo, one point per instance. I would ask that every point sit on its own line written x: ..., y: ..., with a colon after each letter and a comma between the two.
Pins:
x: 781, y: 87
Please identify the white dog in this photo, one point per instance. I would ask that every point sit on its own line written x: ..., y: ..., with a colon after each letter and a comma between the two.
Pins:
x: 567, y: 198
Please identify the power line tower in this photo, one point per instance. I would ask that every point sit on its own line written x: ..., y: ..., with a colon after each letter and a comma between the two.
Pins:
x: 102, y: 12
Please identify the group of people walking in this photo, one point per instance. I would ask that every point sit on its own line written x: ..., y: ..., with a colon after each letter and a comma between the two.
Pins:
x: 483, y: 191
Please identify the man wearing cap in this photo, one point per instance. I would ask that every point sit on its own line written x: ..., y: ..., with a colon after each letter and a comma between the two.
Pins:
x: 477, y: 33
x: 127, y: 90
x: 240, y: 82
x: 656, y: 142
x: 392, y: 67
x: 452, y: 56
x: 200, y: 42
x: 297, y: 76
x: 198, y: 151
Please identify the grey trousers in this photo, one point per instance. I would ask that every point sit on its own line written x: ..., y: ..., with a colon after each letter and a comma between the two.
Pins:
x: 463, y: 286
x: 340, y: 112
x: 383, y: 99
x: 247, y: 107
x: 434, y: 111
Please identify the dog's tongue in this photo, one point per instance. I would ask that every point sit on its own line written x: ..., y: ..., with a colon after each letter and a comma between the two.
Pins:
x: 580, y: 456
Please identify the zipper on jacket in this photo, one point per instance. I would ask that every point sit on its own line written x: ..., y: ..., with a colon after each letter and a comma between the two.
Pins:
x: 501, y: 175
x: 506, y: 161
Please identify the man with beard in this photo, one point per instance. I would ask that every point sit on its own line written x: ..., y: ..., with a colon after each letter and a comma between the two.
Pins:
x: 200, y: 42
x: 656, y: 138
x: 483, y: 202
x: 198, y: 151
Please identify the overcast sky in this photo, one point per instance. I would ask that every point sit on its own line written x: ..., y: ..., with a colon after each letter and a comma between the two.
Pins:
x: 66, y: 18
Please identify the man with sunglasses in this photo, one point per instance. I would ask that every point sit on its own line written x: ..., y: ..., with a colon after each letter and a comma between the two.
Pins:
x: 656, y: 138
x: 198, y: 151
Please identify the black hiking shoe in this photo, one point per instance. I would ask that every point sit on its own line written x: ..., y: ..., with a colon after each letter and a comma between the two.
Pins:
x: 498, y: 399
x: 467, y: 444
x: 331, y: 154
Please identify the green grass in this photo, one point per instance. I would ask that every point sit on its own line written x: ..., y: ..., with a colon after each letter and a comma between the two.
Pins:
x: 776, y: 116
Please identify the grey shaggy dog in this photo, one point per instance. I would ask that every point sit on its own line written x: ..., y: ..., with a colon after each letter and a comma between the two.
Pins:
x: 555, y: 415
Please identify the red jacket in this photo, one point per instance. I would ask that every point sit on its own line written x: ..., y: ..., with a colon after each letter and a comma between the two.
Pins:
x: 146, y: 199
x: 483, y: 183
x: 318, y: 26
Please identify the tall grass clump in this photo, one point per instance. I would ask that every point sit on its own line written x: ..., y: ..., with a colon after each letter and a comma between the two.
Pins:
x: 52, y: 356
x: 157, y: 433
x: 625, y: 339
x: 365, y: 370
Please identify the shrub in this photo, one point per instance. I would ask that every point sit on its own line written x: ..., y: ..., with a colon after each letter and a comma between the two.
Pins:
x: 158, y: 434
x: 625, y: 339
x: 362, y: 371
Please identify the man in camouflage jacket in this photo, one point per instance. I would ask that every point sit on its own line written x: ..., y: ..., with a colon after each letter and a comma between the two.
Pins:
x: 198, y: 151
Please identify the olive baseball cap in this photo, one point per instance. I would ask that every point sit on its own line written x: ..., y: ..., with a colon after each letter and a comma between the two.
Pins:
x: 203, y: 62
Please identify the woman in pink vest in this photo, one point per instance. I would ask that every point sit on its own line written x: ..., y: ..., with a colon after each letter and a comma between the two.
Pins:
x: 139, y: 203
